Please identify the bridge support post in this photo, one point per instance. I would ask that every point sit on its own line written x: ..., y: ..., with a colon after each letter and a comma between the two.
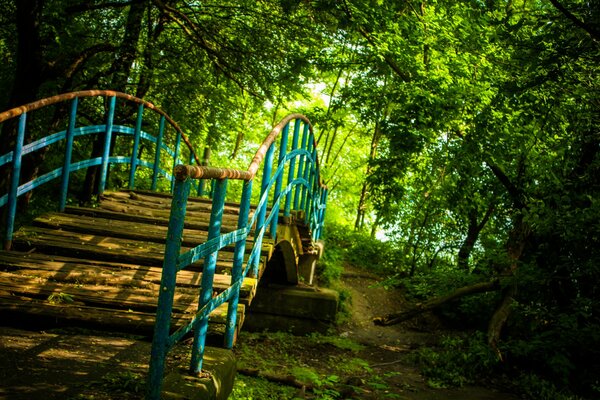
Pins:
x: 160, y: 340
x: 238, y: 261
x: 208, y: 274
x: 68, y: 151
x: 107, y: 139
x: 14, y: 183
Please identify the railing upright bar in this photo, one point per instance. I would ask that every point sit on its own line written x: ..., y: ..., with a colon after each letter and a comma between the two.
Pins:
x: 298, y: 190
x: 14, y: 183
x: 175, y: 157
x: 136, y: 145
x: 208, y: 274
x: 238, y: 261
x: 64, y: 187
x: 159, y: 139
x: 167, y: 289
x: 262, y: 212
x: 313, y: 196
x: 305, y: 190
x: 292, y: 170
x: 107, y: 140
x: 321, y: 216
x: 279, y: 180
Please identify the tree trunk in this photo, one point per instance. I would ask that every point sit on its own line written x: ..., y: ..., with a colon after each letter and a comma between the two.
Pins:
x: 362, y: 201
x: 120, y: 71
x: 29, y: 76
x: 419, y: 308
x: 464, y: 253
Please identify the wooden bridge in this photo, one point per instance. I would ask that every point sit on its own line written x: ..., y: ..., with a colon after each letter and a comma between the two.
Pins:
x: 165, y: 265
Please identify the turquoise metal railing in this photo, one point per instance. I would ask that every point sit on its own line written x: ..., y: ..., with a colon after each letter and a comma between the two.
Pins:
x: 161, y: 165
x: 298, y: 162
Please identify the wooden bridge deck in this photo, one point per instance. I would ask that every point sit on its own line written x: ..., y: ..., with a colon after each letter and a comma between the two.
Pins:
x: 101, y: 267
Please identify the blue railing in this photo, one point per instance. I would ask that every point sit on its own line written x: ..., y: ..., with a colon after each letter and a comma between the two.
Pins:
x: 296, y: 162
x: 292, y: 183
x: 163, y: 158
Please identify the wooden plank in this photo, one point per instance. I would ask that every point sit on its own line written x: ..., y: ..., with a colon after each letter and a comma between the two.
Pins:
x: 140, y: 208
x: 154, y: 202
x: 125, y: 230
x: 70, y: 270
x: 143, y: 299
x: 42, y: 314
x: 102, y: 248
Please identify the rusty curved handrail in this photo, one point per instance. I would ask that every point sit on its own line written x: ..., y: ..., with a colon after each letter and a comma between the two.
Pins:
x: 36, y: 105
x: 198, y: 171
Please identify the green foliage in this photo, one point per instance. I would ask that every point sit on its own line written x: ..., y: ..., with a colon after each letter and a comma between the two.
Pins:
x: 247, y: 388
x: 359, y: 249
x: 458, y: 361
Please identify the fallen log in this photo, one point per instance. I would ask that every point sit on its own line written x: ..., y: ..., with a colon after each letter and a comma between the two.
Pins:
x: 287, y: 380
x: 419, y: 308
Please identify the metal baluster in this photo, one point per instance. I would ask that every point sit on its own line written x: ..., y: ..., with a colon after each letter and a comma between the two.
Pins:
x: 167, y: 289
x: 307, y: 169
x: 279, y: 181
x: 260, y: 219
x: 175, y: 157
x: 64, y: 187
x: 107, y: 139
x: 292, y: 171
x: 208, y: 274
x: 298, y: 190
x: 159, y: 140
x: 238, y: 261
x: 14, y: 183
x: 136, y: 144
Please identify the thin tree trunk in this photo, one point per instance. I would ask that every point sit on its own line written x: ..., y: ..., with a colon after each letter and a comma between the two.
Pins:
x: 121, y: 71
x: 475, y: 227
x: 436, y: 302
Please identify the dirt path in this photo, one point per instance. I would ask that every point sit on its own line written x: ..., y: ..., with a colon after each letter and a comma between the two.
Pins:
x: 388, y: 349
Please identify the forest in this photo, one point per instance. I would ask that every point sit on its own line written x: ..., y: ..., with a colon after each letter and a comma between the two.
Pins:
x: 459, y: 139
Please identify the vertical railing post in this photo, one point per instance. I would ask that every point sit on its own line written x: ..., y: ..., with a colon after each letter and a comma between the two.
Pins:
x: 313, y: 184
x: 238, y: 261
x: 307, y: 170
x: 107, y: 139
x: 292, y: 170
x: 162, y: 325
x: 279, y: 180
x: 159, y: 139
x: 321, y: 219
x: 64, y: 187
x: 208, y: 274
x: 298, y: 190
x: 14, y: 183
x: 262, y: 211
x: 175, y: 157
x: 136, y: 144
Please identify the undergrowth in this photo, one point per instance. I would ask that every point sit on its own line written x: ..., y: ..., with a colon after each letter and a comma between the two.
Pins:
x: 329, y: 365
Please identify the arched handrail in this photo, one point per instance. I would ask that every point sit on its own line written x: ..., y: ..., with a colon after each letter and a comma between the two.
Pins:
x: 36, y: 105
x: 297, y: 160
x: 20, y: 149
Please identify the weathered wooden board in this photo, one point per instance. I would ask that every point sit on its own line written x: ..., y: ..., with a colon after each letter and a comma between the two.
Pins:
x: 44, y: 314
x: 75, y: 271
x: 101, y: 247
x: 102, y: 266
x: 126, y: 230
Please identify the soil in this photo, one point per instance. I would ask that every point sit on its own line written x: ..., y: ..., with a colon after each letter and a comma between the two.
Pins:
x: 389, y: 350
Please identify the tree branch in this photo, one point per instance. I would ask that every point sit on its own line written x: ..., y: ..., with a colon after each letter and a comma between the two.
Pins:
x: 419, y: 308
x: 590, y: 30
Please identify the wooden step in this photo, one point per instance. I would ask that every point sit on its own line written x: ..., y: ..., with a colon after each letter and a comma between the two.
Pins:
x: 44, y: 315
x: 127, y: 230
x: 91, y: 272
x: 105, y: 248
